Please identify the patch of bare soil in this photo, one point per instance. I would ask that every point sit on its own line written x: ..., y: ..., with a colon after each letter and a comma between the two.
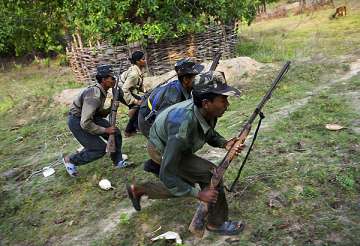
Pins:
x: 235, y: 69
x: 67, y: 96
x: 98, y: 230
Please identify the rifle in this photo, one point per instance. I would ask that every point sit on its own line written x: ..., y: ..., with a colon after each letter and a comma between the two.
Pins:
x: 197, y: 225
x: 215, y: 62
x: 111, y: 145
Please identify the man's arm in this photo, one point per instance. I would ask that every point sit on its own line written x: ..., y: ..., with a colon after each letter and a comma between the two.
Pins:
x: 129, y: 85
x: 175, y: 148
x: 104, y: 112
x: 215, y: 139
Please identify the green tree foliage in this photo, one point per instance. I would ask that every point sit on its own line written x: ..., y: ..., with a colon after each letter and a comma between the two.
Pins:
x: 30, y: 25
x: 134, y: 20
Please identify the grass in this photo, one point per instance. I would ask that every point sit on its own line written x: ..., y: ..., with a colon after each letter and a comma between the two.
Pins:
x: 302, y: 36
x: 308, y: 174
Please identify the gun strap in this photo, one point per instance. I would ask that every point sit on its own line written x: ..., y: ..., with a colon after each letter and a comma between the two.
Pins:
x: 262, y: 116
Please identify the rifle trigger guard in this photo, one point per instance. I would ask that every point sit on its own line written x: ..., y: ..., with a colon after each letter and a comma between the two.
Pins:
x: 261, y: 114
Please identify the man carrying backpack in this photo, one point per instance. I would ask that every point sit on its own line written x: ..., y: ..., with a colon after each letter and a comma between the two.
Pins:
x: 166, y: 95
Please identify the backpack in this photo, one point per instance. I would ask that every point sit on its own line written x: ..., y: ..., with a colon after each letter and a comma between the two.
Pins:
x: 151, y: 103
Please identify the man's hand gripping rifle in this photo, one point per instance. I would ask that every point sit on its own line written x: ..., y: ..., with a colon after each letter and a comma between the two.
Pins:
x: 198, y: 222
x: 111, y: 145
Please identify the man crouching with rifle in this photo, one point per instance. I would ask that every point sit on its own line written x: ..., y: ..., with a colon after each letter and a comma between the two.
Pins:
x: 177, y: 133
x: 87, y: 123
x: 198, y: 222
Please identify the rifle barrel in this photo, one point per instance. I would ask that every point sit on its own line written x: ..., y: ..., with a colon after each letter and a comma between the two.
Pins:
x: 215, y: 61
x: 269, y: 92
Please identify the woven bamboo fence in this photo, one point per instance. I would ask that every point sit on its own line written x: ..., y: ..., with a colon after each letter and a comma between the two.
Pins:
x: 160, y: 57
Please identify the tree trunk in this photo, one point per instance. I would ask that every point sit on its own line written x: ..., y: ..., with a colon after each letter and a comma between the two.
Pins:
x: 264, y: 5
x: 302, y: 5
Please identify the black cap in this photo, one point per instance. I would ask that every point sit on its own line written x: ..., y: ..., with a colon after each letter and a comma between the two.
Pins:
x: 136, y: 56
x: 187, y: 66
x: 104, y: 71
x: 213, y: 82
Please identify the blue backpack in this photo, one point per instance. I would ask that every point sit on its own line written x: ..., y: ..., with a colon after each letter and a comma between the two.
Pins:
x: 155, y: 97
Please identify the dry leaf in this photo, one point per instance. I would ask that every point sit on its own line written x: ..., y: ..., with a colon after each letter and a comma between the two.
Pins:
x: 333, y: 127
x: 59, y: 221
x: 232, y: 240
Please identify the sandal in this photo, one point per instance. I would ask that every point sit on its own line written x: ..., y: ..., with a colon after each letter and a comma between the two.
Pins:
x: 134, y: 200
x: 70, y: 168
x: 229, y: 228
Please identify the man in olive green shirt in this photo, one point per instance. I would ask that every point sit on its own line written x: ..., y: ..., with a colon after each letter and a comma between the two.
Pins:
x: 177, y: 133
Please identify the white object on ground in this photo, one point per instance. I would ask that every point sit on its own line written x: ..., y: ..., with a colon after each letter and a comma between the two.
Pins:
x: 105, y: 184
x: 48, y: 171
x: 333, y: 127
x: 125, y: 157
x: 169, y: 235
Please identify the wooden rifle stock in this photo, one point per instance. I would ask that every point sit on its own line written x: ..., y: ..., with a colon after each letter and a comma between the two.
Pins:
x: 111, y: 145
x: 198, y: 223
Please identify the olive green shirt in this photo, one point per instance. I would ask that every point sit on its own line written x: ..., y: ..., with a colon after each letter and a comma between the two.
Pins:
x: 132, y: 80
x: 178, y: 131
x: 89, y: 104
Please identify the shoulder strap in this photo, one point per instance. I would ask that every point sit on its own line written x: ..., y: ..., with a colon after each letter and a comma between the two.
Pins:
x: 262, y: 116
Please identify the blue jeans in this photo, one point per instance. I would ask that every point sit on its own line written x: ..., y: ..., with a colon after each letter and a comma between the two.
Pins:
x: 94, y: 146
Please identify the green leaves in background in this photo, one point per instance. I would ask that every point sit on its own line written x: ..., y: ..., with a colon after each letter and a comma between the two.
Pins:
x: 30, y: 26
